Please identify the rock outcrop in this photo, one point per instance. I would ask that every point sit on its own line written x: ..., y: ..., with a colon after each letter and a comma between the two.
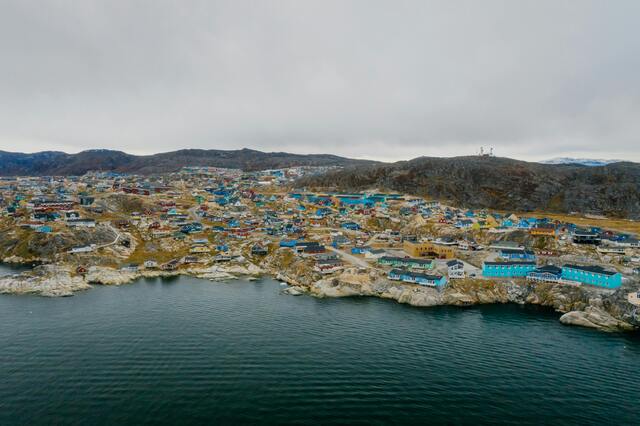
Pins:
x: 583, y: 306
x: 46, y: 280
x: 108, y: 276
x: 595, y: 318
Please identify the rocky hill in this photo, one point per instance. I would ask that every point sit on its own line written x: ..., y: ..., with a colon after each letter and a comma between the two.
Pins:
x: 501, y: 183
x: 62, y: 164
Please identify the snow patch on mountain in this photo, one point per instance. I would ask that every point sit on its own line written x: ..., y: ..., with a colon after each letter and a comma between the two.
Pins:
x: 591, y: 162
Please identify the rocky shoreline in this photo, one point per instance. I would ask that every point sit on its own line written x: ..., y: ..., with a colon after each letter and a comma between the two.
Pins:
x: 581, y: 306
x: 578, y: 305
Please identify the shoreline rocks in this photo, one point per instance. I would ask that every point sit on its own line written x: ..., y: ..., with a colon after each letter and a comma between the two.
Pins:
x: 594, y: 317
x: 60, y: 280
x: 45, y: 280
x: 582, y: 306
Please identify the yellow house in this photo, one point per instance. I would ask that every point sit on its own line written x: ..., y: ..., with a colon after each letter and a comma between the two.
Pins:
x: 491, y: 221
x: 428, y: 249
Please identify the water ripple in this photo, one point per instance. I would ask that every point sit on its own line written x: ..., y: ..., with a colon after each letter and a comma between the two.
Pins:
x: 192, y: 352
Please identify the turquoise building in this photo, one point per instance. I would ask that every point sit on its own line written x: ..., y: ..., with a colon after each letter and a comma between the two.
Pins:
x: 507, y: 269
x: 400, y: 262
x: 593, y: 275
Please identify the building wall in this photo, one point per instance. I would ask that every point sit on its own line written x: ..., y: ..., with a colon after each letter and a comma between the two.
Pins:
x: 543, y: 277
x: 423, y: 249
x: 592, y: 278
x: 506, y: 270
x: 405, y: 263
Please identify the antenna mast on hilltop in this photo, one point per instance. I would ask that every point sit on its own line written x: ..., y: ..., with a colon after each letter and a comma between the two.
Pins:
x: 486, y: 154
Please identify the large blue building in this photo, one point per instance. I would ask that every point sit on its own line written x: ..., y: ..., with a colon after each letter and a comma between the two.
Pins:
x: 417, y: 278
x: 593, y: 275
x: 507, y: 269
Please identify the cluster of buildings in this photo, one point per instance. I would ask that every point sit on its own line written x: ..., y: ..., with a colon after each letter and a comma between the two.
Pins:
x: 207, y: 214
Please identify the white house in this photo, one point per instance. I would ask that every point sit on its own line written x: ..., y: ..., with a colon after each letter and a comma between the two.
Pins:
x: 83, y: 249
x: 455, y: 269
x: 84, y: 223
x: 150, y: 264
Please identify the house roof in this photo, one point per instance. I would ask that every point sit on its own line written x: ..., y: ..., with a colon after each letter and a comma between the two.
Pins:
x: 590, y: 268
x: 376, y: 251
x: 428, y: 277
x: 516, y: 251
x: 551, y: 269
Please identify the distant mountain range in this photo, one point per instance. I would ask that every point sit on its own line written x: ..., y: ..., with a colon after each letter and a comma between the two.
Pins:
x: 500, y: 183
x: 582, y: 161
x: 54, y: 163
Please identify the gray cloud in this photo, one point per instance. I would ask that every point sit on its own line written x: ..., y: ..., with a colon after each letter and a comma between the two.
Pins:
x: 377, y: 79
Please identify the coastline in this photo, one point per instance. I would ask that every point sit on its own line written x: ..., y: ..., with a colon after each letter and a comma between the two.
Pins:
x: 581, y: 306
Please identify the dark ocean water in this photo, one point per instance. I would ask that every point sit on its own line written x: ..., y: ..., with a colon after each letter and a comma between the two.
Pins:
x: 188, y: 351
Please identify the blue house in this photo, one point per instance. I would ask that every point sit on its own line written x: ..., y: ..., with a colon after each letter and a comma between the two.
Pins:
x: 426, y: 212
x: 593, y: 275
x: 507, y: 269
x: 463, y: 224
x: 517, y: 254
x: 191, y: 227
x: 359, y: 250
x: 323, y: 212
x: 288, y: 243
x: 417, y: 278
x: 351, y: 226
x: 524, y: 224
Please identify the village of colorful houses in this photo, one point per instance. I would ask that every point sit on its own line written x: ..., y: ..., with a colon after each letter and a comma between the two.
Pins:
x: 206, y: 215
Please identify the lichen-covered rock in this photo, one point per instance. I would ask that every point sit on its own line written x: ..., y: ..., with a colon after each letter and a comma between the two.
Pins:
x: 293, y: 291
x: 47, y: 280
x: 594, y: 317
x: 108, y: 276
x: 588, y: 306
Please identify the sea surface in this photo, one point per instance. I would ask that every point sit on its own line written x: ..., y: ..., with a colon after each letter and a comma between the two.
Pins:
x: 189, y: 351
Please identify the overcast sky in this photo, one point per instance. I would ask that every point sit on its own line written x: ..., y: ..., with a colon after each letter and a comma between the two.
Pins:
x: 387, y: 80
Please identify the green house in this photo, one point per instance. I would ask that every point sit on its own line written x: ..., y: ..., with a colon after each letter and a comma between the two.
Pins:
x: 406, y: 262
